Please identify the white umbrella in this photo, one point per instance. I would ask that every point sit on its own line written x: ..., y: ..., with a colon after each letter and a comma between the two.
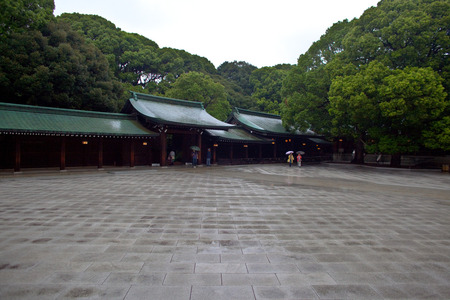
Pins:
x: 289, y: 152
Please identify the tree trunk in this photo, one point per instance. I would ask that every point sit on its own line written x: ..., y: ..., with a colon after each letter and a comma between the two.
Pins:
x: 359, y: 153
x: 396, y: 160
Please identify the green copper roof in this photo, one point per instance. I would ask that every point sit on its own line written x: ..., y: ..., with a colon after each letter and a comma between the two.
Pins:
x: 260, y: 122
x: 36, y: 119
x: 167, y: 111
x: 236, y: 135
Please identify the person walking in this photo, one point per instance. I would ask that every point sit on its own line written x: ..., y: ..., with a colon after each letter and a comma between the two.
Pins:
x: 299, y: 160
x: 208, y: 158
x: 290, y: 159
x: 194, y: 159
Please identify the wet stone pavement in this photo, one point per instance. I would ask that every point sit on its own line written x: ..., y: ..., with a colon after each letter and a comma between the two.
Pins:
x: 240, y: 232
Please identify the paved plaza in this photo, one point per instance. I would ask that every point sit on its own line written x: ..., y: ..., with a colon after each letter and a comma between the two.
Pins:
x: 324, y: 231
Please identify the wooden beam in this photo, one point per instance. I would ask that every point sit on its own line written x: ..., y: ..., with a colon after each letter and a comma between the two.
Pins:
x: 62, y: 164
x: 231, y: 152
x: 131, y: 153
x: 199, y: 137
x: 17, y: 158
x: 163, y: 148
x: 100, y: 153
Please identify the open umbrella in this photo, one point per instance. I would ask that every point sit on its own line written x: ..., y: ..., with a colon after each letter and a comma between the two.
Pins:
x: 301, y: 152
x: 195, y: 148
x: 289, y: 152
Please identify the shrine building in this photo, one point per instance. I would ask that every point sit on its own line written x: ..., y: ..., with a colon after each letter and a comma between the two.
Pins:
x: 144, y: 133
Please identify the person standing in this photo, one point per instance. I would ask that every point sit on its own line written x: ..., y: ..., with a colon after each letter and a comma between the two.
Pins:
x: 290, y: 159
x: 194, y: 159
x: 299, y: 160
x: 171, y: 157
x: 208, y: 157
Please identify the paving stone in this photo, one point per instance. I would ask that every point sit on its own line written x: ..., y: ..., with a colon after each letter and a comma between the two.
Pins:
x: 346, y: 292
x: 30, y: 291
x: 222, y: 292
x: 236, y: 232
x: 192, y: 279
x: 285, y: 292
x: 128, y: 279
x: 250, y: 279
x: 158, y: 292
x: 272, y: 268
x: 305, y: 279
x: 220, y: 268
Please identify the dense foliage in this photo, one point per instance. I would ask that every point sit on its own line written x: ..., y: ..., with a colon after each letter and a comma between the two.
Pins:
x: 24, y: 15
x: 201, y: 87
x: 55, y: 67
x: 381, y: 80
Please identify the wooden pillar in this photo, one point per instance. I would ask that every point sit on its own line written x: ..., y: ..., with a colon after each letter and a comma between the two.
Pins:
x: 274, y: 150
x: 231, y: 152
x: 62, y: 164
x: 100, y: 153
x: 131, y: 153
x: 246, y: 151
x: 17, y: 158
x: 163, y: 148
x: 260, y: 151
x: 214, y: 155
x: 150, y: 153
x: 199, y: 138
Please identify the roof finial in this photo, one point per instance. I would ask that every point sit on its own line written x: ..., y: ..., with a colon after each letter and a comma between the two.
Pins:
x: 134, y: 95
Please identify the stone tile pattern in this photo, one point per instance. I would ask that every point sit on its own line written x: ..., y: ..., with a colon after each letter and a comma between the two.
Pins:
x: 207, y: 233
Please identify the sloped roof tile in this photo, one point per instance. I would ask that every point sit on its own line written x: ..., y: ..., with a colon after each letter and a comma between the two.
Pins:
x: 17, y: 118
x: 236, y: 135
x: 260, y: 122
x: 175, y: 112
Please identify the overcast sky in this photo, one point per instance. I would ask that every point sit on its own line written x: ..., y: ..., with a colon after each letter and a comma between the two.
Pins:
x: 260, y: 32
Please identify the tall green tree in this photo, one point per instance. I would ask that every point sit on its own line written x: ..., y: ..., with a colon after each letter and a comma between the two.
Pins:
x: 354, y: 106
x: 387, y: 110
x: 305, y: 89
x: 238, y: 72
x: 196, y: 86
x: 135, y: 59
x: 23, y: 15
x: 235, y: 94
x: 412, y: 101
x: 54, y: 67
x: 267, y: 83
x: 400, y: 34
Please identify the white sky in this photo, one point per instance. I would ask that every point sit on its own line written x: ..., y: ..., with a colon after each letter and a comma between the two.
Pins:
x: 260, y: 32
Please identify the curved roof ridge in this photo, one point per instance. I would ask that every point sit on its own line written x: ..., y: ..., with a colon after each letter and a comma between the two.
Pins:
x: 139, y: 96
x: 28, y: 119
x: 168, y: 111
x: 257, y: 113
x: 60, y: 111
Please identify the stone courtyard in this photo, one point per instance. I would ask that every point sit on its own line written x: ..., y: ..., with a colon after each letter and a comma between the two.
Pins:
x: 324, y: 231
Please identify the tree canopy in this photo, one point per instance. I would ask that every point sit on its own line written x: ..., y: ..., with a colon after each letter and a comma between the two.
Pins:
x: 267, y: 83
x: 195, y: 86
x: 381, y: 79
x: 54, y: 67
x: 24, y: 15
